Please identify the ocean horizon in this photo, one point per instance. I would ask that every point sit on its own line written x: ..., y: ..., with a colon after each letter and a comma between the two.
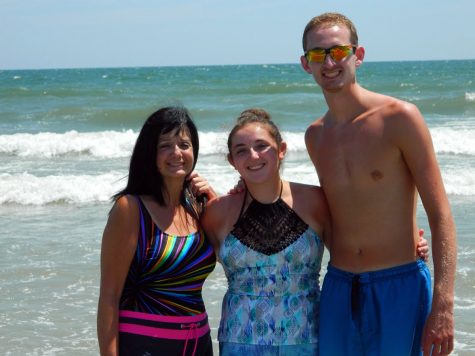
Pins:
x: 366, y: 61
x: 66, y: 137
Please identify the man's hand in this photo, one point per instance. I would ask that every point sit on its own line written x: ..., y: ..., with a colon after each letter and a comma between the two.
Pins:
x: 438, y: 335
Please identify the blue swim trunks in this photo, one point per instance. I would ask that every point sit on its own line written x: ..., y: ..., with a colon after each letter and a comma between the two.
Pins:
x: 374, y: 313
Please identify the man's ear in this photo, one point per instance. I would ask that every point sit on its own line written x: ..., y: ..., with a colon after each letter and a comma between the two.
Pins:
x: 359, y: 56
x: 304, y: 63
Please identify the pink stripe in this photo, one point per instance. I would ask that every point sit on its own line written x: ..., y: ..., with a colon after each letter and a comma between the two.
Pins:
x: 163, y: 318
x: 164, y: 333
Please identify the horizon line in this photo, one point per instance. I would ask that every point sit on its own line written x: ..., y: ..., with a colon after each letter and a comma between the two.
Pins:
x: 219, y: 65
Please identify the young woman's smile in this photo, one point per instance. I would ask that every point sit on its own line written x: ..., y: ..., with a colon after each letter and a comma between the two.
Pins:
x: 254, y: 153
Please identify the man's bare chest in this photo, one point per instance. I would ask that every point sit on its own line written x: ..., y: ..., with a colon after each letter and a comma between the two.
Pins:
x: 355, y: 161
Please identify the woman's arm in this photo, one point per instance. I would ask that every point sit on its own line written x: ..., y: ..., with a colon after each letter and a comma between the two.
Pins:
x: 119, y: 242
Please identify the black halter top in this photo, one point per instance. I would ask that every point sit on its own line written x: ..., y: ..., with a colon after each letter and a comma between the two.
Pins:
x: 268, y: 228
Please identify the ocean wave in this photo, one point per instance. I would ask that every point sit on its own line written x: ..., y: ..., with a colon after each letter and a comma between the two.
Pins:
x: 470, y: 96
x: 103, y: 144
x: 465, y: 252
x: 108, y: 144
x: 454, y: 140
x: 464, y: 303
x: 459, y: 181
x: 117, y: 144
x: 27, y: 189
x: 30, y: 189
x: 295, y: 141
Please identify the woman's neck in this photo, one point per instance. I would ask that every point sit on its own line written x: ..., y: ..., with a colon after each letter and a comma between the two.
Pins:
x: 266, y: 192
x: 172, y: 192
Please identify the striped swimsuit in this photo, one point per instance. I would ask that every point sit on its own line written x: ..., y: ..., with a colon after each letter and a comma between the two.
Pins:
x: 161, y: 307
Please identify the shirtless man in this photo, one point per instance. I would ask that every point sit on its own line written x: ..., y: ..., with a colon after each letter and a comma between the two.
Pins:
x: 373, y: 155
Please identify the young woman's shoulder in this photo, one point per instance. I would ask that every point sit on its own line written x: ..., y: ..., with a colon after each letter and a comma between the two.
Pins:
x: 220, y: 216
x: 223, y: 207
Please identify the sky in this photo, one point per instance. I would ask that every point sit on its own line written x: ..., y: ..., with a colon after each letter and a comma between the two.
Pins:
x: 37, y: 34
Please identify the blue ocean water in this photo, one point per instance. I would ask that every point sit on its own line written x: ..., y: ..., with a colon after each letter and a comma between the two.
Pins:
x: 65, y: 141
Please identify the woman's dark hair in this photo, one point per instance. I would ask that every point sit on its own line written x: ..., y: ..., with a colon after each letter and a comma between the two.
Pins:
x: 144, y: 177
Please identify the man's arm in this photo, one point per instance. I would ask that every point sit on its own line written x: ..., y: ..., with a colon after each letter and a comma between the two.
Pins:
x: 413, y: 138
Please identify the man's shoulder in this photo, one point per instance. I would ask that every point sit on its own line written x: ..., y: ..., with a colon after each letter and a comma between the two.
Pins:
x: 394, y: 107
x: 398, y: 118
x: 314, y: 128
x: 391, y: 111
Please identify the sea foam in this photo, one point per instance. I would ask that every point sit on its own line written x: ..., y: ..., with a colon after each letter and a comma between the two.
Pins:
x: 103, y: 144
x: 34, y: 187
x: 470, y: 96
x: 451, y: 140
x: 27, y: 189
x: 459, y: 181
x: 108, y: 144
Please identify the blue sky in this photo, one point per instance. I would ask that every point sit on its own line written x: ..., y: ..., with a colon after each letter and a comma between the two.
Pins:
x: 114, y: 33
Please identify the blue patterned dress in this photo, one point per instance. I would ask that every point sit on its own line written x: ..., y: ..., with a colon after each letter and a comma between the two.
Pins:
x: 273, y: 292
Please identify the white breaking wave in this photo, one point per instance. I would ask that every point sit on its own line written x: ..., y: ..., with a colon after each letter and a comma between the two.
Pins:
x: 108, y: 144
x: 104, y: 144
x: 470, y: 96
x: 454, y: 140
x: 217, y: 142
x: 295, y: 141
x: 213, y: 142
x: 119, y: 144
x: 27, y: 189
x: 34, y: 188
x: 459, y: 181
x: 464, y: 303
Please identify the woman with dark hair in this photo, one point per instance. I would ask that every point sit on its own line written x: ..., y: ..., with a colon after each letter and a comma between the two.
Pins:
x: 154, y: 256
